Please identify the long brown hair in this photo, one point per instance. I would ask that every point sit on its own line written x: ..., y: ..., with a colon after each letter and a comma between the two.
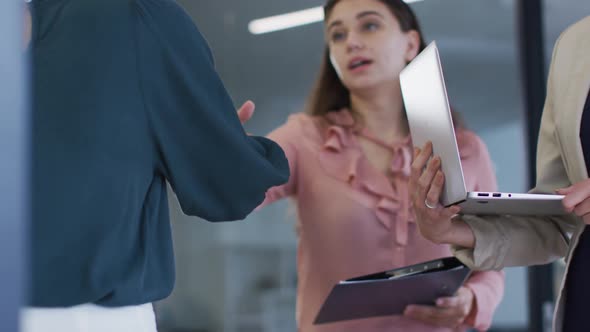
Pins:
x: 328, y: 93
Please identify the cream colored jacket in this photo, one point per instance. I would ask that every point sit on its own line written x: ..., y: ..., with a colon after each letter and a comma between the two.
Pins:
x: 503, y: 241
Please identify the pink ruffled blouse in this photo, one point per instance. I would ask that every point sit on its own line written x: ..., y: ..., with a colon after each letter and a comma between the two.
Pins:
x: 354, y: 220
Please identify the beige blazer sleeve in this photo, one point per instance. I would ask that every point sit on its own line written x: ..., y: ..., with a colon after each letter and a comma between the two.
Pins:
x: 503, y: 241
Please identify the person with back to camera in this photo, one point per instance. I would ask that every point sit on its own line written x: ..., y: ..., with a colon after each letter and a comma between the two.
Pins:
x: 126, y: 98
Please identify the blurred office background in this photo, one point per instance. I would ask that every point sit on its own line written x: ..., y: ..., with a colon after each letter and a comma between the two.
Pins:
x: 241, y: 276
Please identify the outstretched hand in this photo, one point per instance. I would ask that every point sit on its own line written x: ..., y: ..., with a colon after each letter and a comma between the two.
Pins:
x: 246, y: 111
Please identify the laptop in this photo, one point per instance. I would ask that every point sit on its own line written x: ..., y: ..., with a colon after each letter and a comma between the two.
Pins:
x: 429, y: 116
x: 390, y: 292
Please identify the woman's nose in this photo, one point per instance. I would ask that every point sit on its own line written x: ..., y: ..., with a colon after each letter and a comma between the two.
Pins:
x: 354, y: 42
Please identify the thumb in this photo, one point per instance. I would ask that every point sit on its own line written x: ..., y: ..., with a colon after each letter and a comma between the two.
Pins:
x: 246, y: 111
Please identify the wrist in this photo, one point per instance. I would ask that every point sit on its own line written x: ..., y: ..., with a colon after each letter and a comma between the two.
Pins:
x: 471, y: 310
x: 459, y: 234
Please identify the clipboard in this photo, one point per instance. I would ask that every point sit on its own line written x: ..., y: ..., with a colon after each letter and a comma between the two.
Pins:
x: 389, y: 292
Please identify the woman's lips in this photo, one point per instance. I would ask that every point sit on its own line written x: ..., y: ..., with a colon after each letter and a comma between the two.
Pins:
x: 359, y: 64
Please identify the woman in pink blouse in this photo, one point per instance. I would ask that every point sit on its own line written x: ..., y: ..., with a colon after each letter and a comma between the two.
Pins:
x: 350, y: 161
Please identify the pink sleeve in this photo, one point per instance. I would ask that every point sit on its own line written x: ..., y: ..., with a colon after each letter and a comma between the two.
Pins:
x: 488, y: 286
x: 286, y: 136
x: 487, y: 179
x: 475, y: 157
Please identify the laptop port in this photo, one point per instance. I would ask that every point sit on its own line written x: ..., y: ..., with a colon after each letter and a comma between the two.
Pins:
x: 497, y: 195
x: 483, y: 194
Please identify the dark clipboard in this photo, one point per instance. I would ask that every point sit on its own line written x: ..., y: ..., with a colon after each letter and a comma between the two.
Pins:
x: 389, y: 292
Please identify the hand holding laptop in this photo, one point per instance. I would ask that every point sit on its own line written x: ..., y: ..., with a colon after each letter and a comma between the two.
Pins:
x: 577, y: 199
x: 429, y: 118
x: 426, y: 184
x: 437, y: 174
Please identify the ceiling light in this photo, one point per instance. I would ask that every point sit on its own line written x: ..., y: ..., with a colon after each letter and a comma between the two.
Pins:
x: 290, y: 20
x: 286, y: 21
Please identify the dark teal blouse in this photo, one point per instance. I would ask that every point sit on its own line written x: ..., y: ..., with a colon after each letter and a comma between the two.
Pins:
x: 126, y: 98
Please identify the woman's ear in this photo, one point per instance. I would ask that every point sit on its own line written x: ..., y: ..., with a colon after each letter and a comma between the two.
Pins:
x: 413, y: 48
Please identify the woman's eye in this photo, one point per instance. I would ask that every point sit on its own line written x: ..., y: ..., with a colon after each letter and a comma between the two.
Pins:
x: 337, y: 36
x: 370, y: 26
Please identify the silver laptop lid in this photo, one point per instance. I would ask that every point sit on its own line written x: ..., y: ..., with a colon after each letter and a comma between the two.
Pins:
x: 429, y: 117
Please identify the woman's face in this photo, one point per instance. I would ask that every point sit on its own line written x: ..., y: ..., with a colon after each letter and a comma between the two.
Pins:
x: 367, y: 46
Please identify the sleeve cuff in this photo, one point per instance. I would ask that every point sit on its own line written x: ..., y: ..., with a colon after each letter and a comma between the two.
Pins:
x: 491, y: 245
x: 488, y: 290
x: 480, y: 320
